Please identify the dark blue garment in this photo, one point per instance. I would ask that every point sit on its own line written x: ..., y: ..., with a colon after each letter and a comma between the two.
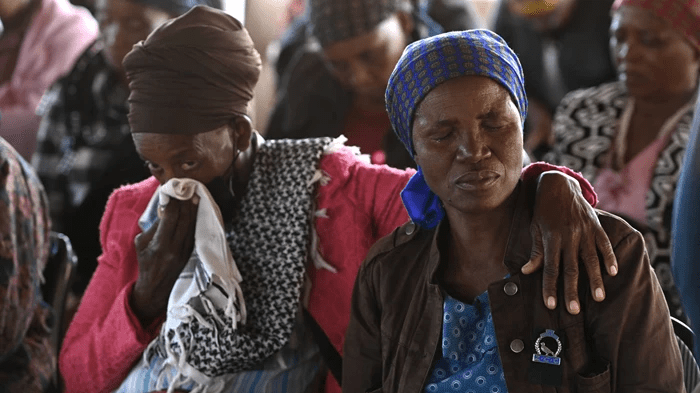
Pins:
x: 470, y: 361
x: 685, y: 243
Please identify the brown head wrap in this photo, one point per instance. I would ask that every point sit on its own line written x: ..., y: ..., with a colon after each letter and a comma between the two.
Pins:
x: 191, y: 75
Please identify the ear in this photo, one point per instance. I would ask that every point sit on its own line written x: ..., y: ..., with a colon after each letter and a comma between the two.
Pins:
x: 242, y: 130
x: 406, y: 21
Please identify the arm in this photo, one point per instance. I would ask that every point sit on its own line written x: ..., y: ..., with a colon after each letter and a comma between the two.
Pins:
x: 632, y: 328
x: 565, y: 231
x: 105, y: 338
x: 362, y: 363
x: 686, y: 229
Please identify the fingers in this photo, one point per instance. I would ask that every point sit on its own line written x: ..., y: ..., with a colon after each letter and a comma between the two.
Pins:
x: 142, y: 239
x: 551, y: 272
x: 571, y: 273
x: 178, y: 222
x: 606, y: 251
x: 589, y: 257
x: 537, y: 253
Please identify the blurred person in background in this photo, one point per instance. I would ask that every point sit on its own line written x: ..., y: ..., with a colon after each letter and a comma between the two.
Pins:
x: 629, y: 137
x: 332, y: 80
x: 563, y: 46
x: 295, y: 218
x: 685, y: 241
x: 39, y: 43
x: 84, y: 146
x: 27, y: 358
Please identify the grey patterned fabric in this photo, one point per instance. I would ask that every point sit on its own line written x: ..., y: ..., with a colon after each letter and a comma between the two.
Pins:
x: 269, y: 241
x: 337, y: 20
x: 584, y: 126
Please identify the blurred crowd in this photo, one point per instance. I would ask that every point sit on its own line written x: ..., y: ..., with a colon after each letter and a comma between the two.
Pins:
x: 612, y: 91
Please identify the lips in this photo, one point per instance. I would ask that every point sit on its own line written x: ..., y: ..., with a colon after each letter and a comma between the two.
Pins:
x: 475, y: 180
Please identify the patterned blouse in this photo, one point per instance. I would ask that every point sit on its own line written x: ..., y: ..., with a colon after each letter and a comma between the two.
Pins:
x: 27, y: 360
x: 585, y: 126
x: 470, y: 361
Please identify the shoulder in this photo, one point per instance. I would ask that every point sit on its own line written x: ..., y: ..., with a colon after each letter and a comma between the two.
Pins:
x: 606, y: 93
x: 64, y: 11
x: 345, y: 162
x: 62, y: 22
x: 399, y: 253
x: 126, y: 204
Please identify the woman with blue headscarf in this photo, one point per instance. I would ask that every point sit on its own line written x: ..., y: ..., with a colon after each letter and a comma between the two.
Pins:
x: 441, y: 305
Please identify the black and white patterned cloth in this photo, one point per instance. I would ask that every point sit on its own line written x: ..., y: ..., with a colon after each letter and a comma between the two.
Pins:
x: 585, y: 125
x: 270, y: 241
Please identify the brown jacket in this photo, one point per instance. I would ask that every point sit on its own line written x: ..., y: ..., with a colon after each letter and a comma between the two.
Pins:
x: 623, y: 344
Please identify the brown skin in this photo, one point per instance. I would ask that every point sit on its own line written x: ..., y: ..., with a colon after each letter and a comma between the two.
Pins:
x: 467, y: 137
x: 164, y: 249
x: 9, y: 8
x: 659, y: 67
x: 124, y: 23
x: 363, y: 64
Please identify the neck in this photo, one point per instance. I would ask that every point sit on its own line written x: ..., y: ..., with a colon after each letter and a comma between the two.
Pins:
x: 479, y: 240
x: 663, y: 107
x: 239, y: 178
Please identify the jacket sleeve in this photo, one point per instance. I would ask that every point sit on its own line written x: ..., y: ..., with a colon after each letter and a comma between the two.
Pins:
x: 105, y: 338
x: 631, y: 329
x: 362, y: 359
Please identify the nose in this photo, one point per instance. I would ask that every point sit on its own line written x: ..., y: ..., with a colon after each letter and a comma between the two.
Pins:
x: 472, y: 147
x: 628, y: 51
x: 167, y: 173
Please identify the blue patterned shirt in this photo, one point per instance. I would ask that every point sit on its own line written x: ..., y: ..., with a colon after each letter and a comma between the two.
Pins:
x: 470, y: 361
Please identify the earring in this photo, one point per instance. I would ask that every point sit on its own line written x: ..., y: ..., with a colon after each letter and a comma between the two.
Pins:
x: 230, y: 178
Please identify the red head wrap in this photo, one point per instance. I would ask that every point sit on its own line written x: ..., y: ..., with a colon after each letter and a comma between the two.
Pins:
x: 683, y: 15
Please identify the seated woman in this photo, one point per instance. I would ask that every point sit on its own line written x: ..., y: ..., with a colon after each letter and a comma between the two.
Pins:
x: 27, y: 357
x: 277, y: 226
x: 445, y: 307
x: 629, y: 137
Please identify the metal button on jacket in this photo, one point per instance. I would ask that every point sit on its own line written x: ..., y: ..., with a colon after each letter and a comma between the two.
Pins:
x: 510, y: 288
x: 410, y: 228
x: 517, y: 345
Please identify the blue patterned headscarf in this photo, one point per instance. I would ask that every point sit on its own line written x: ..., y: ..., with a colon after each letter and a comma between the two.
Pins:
x: 423, y: 66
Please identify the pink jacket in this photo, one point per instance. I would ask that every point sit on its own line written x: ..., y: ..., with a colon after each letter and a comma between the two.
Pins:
x: 105, y: 339
x: 57, y: 35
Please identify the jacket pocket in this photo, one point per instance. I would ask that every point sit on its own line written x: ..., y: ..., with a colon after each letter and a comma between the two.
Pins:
x: 598, y: 383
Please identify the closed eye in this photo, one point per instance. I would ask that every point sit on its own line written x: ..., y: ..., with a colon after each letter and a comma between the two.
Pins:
x: 443, y: 136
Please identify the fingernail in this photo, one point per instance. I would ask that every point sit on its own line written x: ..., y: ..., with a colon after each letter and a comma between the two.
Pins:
x: 613, y: 270
x: 599, y: 294
x: 195, y: 199
x: 573, y: 306
x: 551, y: 302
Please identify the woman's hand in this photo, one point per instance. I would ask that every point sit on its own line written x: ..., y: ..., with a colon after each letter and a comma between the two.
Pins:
x: 566, y: 228
x: 162, y: 252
